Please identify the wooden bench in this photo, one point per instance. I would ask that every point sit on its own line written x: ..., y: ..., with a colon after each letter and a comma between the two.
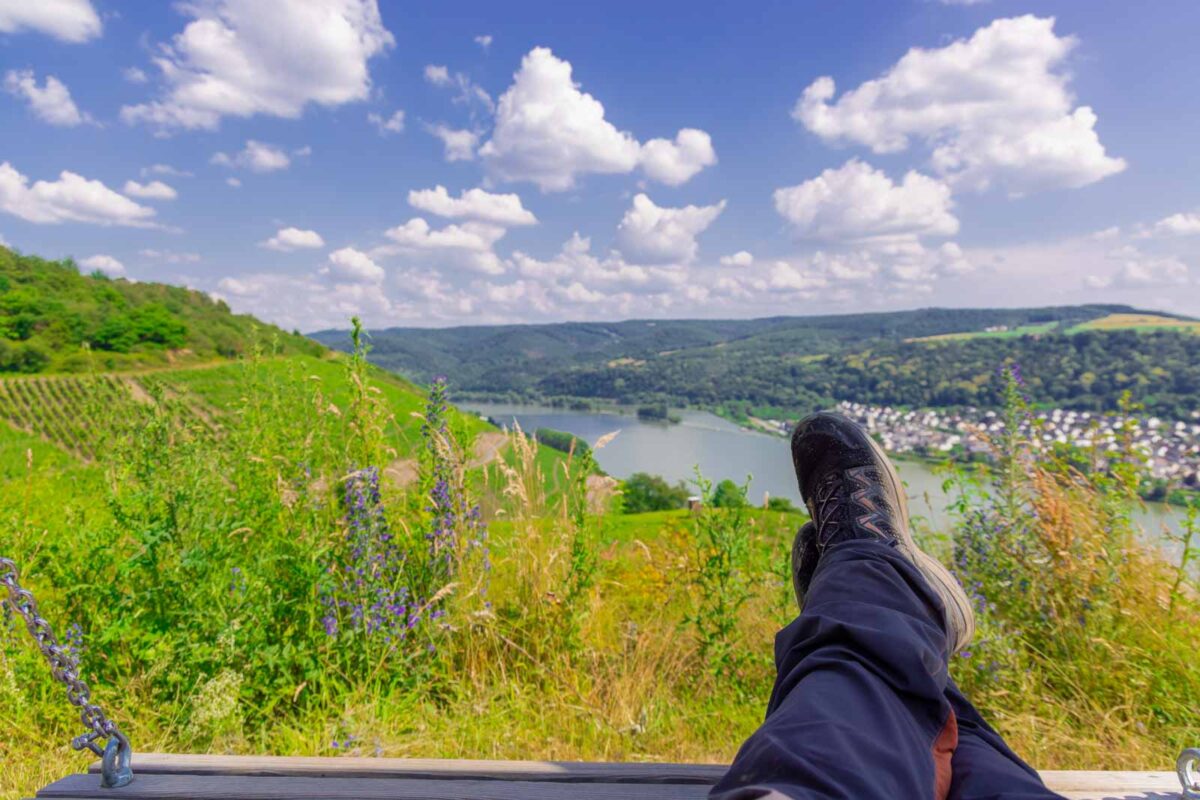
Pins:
x: 175, y: 777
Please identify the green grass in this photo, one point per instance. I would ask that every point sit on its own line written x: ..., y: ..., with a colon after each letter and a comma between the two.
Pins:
x: 1012, y: 333
x: 1112, y: 322
x: 203, y: 559
x: 1138, y: 322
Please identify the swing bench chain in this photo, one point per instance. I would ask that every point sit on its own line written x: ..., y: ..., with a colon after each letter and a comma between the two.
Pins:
x: 116, y: 754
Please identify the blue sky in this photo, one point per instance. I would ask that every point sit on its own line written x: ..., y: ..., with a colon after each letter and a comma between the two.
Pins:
x: 608, y: 160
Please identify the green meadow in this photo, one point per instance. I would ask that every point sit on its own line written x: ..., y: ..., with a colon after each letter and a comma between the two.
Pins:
x: 290, y: 552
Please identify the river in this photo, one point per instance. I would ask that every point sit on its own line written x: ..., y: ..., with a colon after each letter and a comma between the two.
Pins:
x: 722, y: 450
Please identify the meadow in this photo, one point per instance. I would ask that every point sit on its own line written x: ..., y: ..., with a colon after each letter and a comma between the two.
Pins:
x: 304, y: 555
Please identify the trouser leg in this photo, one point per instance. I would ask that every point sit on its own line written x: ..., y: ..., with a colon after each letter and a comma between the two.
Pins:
x: 983, y: 766
x: 859, y: 708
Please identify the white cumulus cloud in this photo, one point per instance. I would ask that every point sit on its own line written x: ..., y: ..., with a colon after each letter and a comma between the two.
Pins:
x: 437, y: 74
x: 288, y: 239
x: 106, y: 264
x: 856, y: 201
x: 652, y: 234
x: 352, y: 265
x: 275, y: 57
x: 1181, y: 224
x: 71, y: 198
x: 154, y: 190
x: 467, y: 245
x: 549, y: 132
x: 477, y: 204
x: 51, y: 101
x: 675, y: 163
x: 741, y: 258
x: 67, y: 20
x: 256, y: 157
x: 459, y: 144
x: 993, y: 109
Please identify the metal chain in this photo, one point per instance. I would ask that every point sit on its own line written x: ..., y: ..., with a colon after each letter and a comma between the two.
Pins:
x: 116, y: 754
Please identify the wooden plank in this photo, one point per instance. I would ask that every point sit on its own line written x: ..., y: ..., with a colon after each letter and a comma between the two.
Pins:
x: 426, y: 768
x: 469, y: 775
x: 1106, y: 781
x: 242, y: 787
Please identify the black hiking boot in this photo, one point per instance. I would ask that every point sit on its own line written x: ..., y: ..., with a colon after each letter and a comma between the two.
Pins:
x: 853, y: 492
x: 804, y: 560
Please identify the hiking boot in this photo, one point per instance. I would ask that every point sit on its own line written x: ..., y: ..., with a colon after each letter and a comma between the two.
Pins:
x: 853, y: 492
x: 804, y: 560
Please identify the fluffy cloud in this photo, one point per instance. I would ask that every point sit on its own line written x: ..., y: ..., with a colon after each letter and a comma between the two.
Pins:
x: 154, y: 190
x: 436, y: 74
x: 675, y: 163
x: 71, y: 198
x: 256, y: 157
x: 245, y: 57
x: 549, y: 132
x: 741, y: 258
x: 135, y: 75
x: 386, y: 125
x: 288, y: 239
x: 856, y: 201
x: 484, y: 41
x: 460, y: 144
x: 1181, y: 224
x: 993, y: 109
x: 652, y: 234
x: 106, y: 264
x: 468, y: 245
x: 477, y: 204
x: 51, y: 101
x: 67, y: 20
x: 352, y: 265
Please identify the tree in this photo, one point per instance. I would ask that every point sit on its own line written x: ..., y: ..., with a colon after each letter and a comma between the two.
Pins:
x: 643, y: 492
x: 729, y: 495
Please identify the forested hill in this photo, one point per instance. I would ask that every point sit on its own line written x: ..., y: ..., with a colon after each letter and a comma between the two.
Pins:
x: 49, y: 311
x: 1074, y: 356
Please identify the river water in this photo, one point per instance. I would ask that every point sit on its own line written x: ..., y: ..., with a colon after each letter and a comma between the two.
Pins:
x: 722, y: 450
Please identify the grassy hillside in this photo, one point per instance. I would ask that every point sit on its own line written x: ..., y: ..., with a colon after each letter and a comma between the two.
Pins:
x: 302, y: 556
x: 53, y: 319
x: 1076, y: 357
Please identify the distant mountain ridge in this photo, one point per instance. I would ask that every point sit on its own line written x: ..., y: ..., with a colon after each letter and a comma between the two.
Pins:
x: 922, y: 357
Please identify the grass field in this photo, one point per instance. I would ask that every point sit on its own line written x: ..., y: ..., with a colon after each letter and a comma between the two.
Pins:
x: 1023, y: 330
x: 237, y: 574
x: 1138, y: 322
x: 1112, y: 322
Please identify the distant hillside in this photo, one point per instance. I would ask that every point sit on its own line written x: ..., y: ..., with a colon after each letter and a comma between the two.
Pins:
x: 49, y: 312
x: 1076, y: 356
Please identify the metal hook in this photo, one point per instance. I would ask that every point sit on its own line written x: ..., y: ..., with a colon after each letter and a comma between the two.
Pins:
x: 115, y: 767
x: 1188, y: 769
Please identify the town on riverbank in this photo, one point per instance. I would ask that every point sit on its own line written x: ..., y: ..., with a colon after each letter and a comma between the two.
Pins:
x: 1171, y: 448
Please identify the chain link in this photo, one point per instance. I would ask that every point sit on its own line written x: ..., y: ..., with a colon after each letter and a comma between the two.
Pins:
x: 65, y: 669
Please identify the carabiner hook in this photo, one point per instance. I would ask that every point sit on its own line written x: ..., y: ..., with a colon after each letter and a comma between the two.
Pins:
x: 115, y: 767
x: 1188, y: 769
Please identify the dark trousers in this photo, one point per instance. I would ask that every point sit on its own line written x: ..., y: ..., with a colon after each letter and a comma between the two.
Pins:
x: 863, y: 707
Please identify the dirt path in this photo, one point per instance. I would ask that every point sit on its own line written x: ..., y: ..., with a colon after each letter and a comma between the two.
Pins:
x: 487, y: 448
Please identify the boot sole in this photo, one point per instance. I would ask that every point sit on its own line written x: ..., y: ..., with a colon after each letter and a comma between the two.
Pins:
x: 960, y: 616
